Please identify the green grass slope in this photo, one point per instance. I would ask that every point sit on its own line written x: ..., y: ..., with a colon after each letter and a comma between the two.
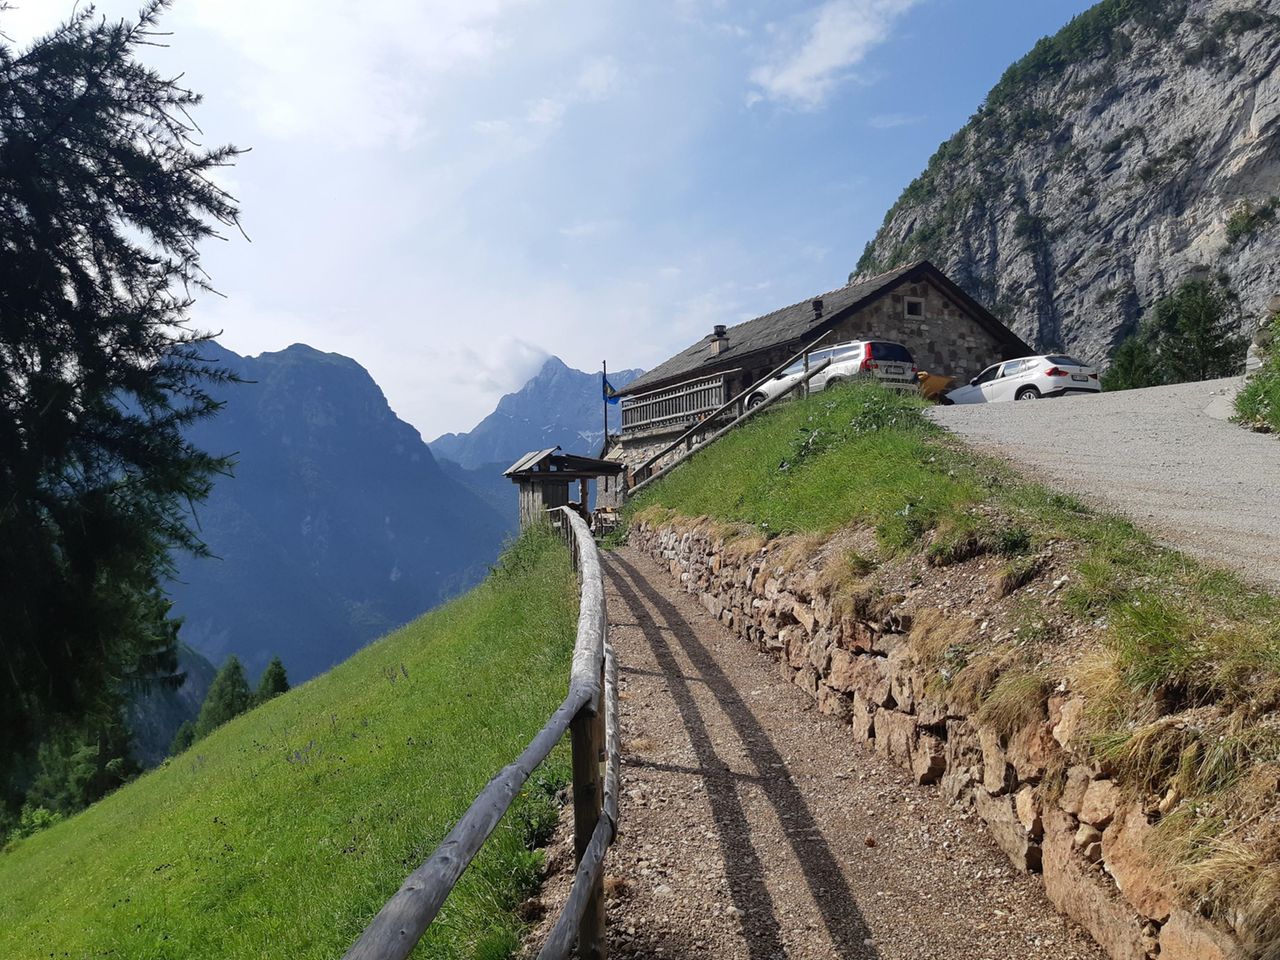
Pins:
x: 282, y: 833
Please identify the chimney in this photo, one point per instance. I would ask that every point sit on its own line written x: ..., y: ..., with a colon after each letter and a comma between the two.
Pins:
x: 719, y: 340
x: 817, y: 309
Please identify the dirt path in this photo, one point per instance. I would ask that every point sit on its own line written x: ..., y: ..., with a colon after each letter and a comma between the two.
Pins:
x: 754, y: 827
x: 1165, y: 456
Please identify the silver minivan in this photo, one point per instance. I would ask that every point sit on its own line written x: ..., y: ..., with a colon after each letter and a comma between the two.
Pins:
x: 888, y: 362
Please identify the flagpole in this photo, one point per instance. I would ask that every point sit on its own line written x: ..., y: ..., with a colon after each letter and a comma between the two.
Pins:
x: 604, y: 402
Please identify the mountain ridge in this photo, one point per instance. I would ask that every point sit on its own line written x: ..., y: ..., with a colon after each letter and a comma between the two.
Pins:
x: 337, y: 525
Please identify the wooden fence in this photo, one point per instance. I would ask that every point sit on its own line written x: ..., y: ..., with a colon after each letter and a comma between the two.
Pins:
x: 589, y: 714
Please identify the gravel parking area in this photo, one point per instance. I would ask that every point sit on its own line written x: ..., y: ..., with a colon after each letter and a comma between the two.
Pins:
x: 753, y: 827
x: 1166, y: 457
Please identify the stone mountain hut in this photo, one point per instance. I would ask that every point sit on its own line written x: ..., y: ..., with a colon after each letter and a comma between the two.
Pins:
x: 946, y: 330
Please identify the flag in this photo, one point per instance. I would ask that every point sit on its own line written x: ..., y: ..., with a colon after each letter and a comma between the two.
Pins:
x: 610, y: 394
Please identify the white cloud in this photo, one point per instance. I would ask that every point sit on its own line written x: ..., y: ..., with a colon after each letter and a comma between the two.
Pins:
x: 832, y: 39
x: 887, y: 121
x: 357, y: 74
x: 598, y: 79
x: 546, y: 112
x: 588, y: 228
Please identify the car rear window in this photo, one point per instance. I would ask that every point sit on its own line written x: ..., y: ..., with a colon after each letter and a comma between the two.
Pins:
x: 1066, y: 361
x: 890, y: 351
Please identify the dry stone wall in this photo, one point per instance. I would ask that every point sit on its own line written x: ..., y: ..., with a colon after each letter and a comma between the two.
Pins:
x: 1048, y: 807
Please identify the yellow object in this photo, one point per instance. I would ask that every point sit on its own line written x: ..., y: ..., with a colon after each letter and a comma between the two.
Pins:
x: 934, y: 385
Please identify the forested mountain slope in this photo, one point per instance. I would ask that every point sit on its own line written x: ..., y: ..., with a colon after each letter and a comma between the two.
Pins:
x: 1136, y: 147
x: 337, y: 526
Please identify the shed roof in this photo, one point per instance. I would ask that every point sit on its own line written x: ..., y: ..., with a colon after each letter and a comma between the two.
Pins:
x: 797, y: 322
x: 553, y: 465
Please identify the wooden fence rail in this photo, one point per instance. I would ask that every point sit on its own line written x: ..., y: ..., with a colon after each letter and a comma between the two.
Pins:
x: 589, y: 714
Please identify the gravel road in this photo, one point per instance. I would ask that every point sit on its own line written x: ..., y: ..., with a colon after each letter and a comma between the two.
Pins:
x: 753, y: 827
x: 1166, y: 457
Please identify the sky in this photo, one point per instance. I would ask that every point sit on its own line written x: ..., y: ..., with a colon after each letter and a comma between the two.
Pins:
x: 449, y: 191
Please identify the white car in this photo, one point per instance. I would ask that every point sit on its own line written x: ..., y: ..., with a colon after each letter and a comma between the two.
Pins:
x: 890, y: 363
x: 1028, y: 378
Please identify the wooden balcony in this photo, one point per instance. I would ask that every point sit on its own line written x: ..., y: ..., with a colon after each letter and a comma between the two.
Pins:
x: 675, y: 407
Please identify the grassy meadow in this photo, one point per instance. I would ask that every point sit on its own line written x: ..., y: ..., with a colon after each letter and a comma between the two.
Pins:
x: 282, y: 833
x: 1183, y: 683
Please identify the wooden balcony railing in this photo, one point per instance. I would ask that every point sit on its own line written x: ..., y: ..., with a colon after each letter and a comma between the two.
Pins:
x: 674, y: 406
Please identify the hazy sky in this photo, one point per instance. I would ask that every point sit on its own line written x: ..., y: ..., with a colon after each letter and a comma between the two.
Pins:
x: 449, y: 190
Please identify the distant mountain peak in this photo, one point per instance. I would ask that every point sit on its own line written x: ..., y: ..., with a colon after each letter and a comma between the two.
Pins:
x: 558, y: 405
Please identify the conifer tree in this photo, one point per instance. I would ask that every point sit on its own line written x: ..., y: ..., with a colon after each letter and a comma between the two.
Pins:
x: 1189, y: 336
x: 183, y: 739
x: 228, y: 697
x: 274, y: 681
x: 104, y: 200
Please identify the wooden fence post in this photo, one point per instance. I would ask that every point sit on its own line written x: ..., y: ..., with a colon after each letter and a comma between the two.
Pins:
x: 587, y: 738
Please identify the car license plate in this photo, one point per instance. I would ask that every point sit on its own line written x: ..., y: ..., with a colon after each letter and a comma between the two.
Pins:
x: 1080, y: 376
x: 894, y: 370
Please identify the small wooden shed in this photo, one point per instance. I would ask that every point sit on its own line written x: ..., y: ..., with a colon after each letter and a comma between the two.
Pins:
x: 544, y: 476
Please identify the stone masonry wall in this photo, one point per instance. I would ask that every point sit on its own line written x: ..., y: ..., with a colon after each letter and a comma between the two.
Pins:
x: 945, y: 340
x: 1049, y: 809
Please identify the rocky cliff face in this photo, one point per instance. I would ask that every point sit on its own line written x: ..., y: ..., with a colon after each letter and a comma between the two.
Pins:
x: 1137, y: 147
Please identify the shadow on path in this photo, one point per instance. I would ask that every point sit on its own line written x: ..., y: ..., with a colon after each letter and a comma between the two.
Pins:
x: 744, y: 871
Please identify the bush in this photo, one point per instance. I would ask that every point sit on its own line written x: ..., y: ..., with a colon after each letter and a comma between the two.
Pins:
x: 1246, y: 219
x: 1258, y: 403
x: 32, y: 820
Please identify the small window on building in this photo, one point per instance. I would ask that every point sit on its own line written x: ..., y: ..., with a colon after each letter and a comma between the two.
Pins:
x: 914, y: 307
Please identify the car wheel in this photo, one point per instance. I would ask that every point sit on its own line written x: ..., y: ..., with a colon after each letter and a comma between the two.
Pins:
x: 1027, y: 393
x: 755, y: 400
x: 835, y: 382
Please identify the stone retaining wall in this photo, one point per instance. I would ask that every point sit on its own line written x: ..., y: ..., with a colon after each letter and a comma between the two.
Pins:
x: 1047, y: 807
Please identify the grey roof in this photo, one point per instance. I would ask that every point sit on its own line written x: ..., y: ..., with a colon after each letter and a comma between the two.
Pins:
x: 796, y: 322
x: 528, y: 460
x: 552, y: 464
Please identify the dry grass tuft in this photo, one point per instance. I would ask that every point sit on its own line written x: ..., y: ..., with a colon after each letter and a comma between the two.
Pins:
x: 975, y: 680
x: 741, y: 542
x: 1016, y: 698
x: 854, y: 599
x: 840, y: 567
x: 937, y: 639
x: 793, y: 552
x: 1238, y: 875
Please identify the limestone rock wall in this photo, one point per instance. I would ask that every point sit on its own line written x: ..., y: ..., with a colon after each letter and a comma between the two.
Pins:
x: 1049, y: 808
x: 1070, y: 208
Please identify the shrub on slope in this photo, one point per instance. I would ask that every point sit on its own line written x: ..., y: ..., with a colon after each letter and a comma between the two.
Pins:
x: 283, y: 831
x: 1258, y: 404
